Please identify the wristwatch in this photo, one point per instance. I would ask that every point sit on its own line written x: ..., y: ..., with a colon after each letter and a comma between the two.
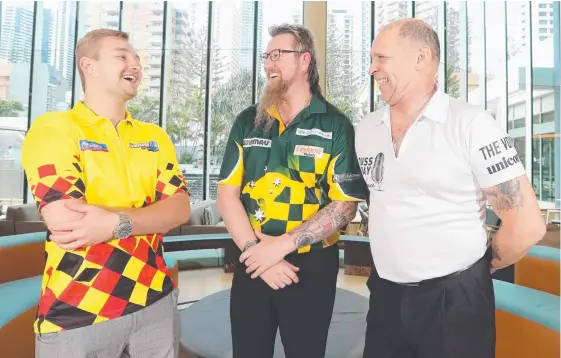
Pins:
x: 250, y: 244
x: 123, y: 229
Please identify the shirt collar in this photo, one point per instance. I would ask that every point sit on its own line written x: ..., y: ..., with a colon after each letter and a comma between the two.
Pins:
x: 86, y: 117
x: 317, y: 105
x: 436, y: 110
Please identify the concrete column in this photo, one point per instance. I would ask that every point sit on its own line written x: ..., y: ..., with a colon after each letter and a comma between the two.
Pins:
x: 315, y: 19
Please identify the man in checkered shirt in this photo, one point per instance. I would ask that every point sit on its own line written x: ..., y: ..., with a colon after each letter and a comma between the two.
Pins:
x: 289, y: 181
x: 108, y: 187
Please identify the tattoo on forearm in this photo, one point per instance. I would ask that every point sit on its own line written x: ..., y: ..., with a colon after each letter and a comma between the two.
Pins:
x: 507, y: 196
x: 326, y: 222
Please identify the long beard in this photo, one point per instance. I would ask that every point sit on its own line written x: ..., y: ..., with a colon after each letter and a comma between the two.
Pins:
x: 271, y: 98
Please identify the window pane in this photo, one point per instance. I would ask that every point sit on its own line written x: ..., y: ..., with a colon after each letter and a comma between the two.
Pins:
x: 348, y: 57
x: 476, y: 53
x: 431, y: 12
x: 517, y: 50
x: 53, y: 64
x: 389, y: 11
x: 495, y: 59
x: 385, y: 13
x: 274, y: 13
x: 454, y: 72
x: 16, y: 29
x: 231, y: 76
x: 186, y: 65
x: 93, y: 16
x: 144, y: 21
x: 543, y: 140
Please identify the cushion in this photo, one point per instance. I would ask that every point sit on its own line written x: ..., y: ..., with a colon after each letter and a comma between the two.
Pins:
x: 545, y: 252
x: 18, y: 296
x: 20, y: 239
x: 193, y: 259
x: 534, y: 305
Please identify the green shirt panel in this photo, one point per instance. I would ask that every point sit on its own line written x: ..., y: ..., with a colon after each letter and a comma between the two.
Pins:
x: 287, y: 177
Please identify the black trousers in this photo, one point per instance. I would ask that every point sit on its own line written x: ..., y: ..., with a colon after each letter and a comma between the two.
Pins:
x: 302, y: 311
x: 449, y: 318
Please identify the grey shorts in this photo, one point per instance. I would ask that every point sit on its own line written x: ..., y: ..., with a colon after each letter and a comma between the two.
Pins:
x: 151, y: 332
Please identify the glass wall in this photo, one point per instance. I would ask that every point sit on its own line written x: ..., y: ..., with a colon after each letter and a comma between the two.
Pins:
x: 202, y: 66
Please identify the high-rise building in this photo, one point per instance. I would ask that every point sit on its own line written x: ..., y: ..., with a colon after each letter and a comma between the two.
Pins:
x: 247, y: 29
x: 17, y: 33
x: 62, y: 37
x: 46, y: 43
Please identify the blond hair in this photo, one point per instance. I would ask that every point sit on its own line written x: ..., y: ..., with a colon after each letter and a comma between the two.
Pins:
x: 87, y: 46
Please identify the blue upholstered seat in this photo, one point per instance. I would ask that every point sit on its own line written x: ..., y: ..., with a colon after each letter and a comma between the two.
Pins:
x: 22, y: 239
x: 190, y: 259
x: 18, y: 296
x: 545, y: 252
x: 537, y: 306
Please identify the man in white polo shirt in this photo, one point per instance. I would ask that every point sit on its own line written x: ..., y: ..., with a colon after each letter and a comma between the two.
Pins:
x: 431, y: 162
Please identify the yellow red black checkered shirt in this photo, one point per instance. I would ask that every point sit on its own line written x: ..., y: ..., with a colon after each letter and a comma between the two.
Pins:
x: 77, y: 154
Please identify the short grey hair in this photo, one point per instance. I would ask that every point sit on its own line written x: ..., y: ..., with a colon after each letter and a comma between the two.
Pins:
x: 421, y: 32
x: 303, y: 42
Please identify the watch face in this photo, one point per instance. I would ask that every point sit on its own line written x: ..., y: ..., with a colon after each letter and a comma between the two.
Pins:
x: 123, y: 231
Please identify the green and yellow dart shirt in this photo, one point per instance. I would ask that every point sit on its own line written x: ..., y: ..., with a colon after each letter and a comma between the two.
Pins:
x: 287, y: 174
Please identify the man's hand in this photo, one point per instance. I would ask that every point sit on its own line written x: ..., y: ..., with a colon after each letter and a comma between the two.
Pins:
x: 280, y: 275
x: 96, y: 226
x: 265, y: 254
x: 522, y: 224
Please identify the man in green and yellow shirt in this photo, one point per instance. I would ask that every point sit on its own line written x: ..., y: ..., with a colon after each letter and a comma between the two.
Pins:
x: 289, y: 182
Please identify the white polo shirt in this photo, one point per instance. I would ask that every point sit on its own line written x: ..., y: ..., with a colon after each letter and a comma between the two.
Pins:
x: 427, y: 208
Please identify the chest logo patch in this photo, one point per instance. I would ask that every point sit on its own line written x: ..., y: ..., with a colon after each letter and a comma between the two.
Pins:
x: 308, y: 151
x: 314, y: 131
x: 92, y: 146
x: 257, y: 142
x: 151, y: 146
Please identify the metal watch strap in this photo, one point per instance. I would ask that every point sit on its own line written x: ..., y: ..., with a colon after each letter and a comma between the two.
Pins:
x: 250, y: 244
x: 124, y: 226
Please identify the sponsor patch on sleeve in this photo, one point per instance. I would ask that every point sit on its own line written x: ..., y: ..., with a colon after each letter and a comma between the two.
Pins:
x: 92, y: 146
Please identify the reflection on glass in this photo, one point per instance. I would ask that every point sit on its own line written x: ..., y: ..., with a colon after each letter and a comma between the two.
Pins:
x: 348, y: 58
x: 543, y: 116
x: 15, y: 64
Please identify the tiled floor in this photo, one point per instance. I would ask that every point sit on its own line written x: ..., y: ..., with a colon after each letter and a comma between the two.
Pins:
x: 197, y: 284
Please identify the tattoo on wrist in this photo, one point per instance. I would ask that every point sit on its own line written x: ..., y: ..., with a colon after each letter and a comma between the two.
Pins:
x: 325, y: 223
x: 495, y: 252
x: 507, y: 196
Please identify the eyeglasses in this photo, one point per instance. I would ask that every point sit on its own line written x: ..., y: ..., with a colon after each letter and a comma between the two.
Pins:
x: 276, y: 54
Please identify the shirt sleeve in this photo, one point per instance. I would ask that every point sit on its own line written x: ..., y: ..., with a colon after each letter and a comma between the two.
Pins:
x: 343, y: 172
x: 492, y: 154
x: 51, y: 160
x: 170, y: 179
x: 232, y: 168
